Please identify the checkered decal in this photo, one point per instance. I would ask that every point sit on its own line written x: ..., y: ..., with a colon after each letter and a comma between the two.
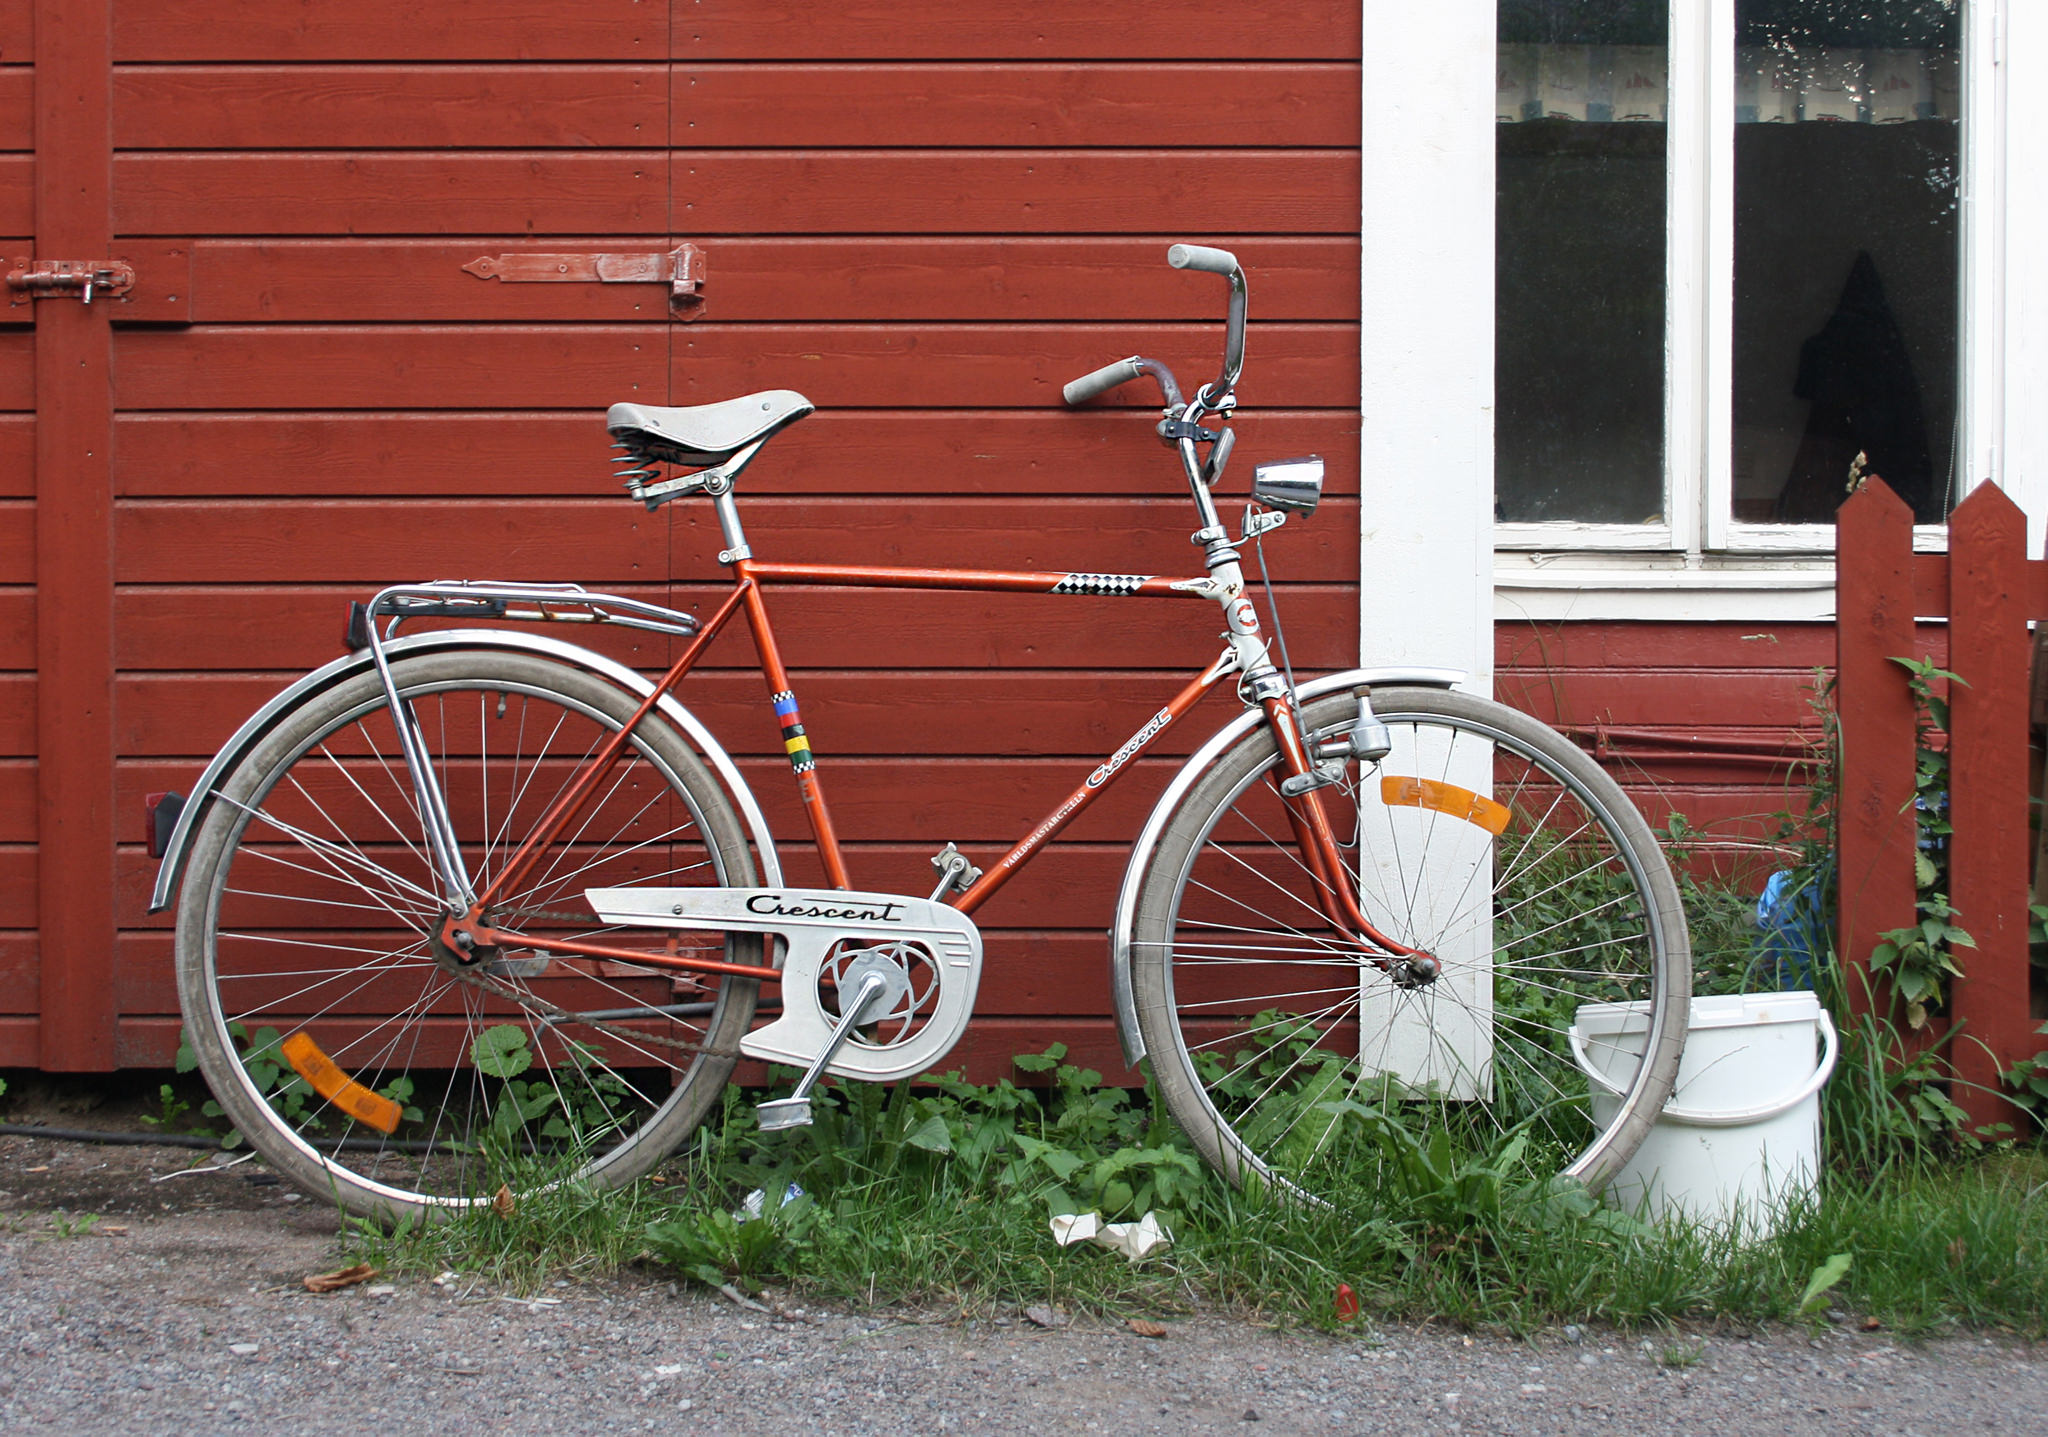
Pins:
x: 1100, y: 583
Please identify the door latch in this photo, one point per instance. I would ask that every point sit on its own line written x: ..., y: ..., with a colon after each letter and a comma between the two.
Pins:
x: 681, y: 269
x: 48, y: 278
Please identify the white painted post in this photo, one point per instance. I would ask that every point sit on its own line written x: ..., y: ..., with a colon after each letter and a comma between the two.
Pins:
x: 1426, y: 350
x: 1426, y: 540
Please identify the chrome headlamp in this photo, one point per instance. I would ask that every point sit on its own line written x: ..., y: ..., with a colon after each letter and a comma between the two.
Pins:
x: 1295, y: 485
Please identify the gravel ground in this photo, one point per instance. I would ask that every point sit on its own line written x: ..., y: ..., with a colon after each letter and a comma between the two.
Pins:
x: 181, y: 1310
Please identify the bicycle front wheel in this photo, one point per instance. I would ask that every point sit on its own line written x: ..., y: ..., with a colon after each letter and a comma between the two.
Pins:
x: 387, y: 1079
x: 1293, y: 1056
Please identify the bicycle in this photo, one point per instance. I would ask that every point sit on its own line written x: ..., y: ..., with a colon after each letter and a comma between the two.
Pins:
x: 475, y: 908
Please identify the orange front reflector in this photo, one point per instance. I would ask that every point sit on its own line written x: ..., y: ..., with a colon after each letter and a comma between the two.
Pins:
x: 338, y: 1087
x: 1444, y: 798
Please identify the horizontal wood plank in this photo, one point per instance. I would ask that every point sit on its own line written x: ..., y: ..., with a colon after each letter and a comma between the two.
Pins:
x: 1066, y: 885
x: 1677, y: 697
x: 985, y: 1053
x: 836, y: 105
x: 17, y: 369
x: 754, y: 279
x: 1023, y: 972
x: 21, y: 976
x: 17, y: 194
x: 310, y: 541
x: 1011, y: 29
x: 839, y: 451
x: 1800, y: 646
x: 17, y: 104
x: 279, y: 107
x: 588, y: 367
x: 182, y: 715
x: 584, y: 368
x: 271, y: 107
x: 17, y: 629
x: 618, y: 192
x: 21, y: 1042
x: 17, y: 714
x: 177, y: 628
x: 990, y: 803
x: 17, y: 31
x: 162, y: 31
x: 623, y: 192
x: 1012, y: 191
x: 17, y: 885
x: 17, y: 801
x: 17, y: 456
x: 17, y: 541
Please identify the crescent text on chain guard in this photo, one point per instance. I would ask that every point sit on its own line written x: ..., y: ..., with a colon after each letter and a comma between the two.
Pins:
x: 812, y: 921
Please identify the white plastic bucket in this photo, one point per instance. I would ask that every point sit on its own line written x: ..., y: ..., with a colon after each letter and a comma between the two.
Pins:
x: 1741, y: 1133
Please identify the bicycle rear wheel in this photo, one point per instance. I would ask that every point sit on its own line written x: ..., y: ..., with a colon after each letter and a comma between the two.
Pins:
x: 1483, y: 838
x: 374, y: 1073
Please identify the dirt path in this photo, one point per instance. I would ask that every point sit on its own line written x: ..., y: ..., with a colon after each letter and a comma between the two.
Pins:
x: 180, y: 1309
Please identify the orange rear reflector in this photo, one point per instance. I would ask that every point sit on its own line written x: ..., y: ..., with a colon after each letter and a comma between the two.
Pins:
x: 331, y: 1083
x: 1444, y: 798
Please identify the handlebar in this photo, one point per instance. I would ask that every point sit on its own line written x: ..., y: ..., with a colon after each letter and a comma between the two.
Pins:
x: 1181, y: 256
x: 1081, y: 390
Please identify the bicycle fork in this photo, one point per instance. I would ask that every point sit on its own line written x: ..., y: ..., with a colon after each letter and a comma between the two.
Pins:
x: 1336, y: 895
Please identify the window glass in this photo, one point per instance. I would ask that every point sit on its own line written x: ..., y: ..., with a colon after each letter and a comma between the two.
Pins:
x: 1847, y: 145
x: 1579, y: 260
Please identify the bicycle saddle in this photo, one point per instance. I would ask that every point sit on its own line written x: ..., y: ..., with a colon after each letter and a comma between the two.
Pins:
x: 705, y: 433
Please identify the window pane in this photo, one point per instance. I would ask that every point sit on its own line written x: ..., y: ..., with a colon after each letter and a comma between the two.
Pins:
x: 1847, y: 145
x: 1579, y: 261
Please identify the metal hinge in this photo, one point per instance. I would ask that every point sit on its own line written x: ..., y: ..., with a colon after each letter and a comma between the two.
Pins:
x: 46, y: 278
x: 681, y: 269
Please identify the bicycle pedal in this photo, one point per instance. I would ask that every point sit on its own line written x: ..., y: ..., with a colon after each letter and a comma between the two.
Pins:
x: 783, y: 1113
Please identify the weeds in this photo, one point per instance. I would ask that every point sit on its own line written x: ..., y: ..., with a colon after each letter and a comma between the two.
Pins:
x: 940, y: 1195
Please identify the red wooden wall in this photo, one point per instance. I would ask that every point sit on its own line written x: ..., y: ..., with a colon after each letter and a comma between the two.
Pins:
x: 1698, y: 719
x: 926, y: 216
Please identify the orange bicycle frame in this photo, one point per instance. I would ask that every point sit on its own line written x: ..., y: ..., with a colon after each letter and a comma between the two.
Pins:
x: 1333, y: 891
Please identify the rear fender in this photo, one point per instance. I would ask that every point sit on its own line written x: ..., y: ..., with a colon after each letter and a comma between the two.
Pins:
x: 342, y: 669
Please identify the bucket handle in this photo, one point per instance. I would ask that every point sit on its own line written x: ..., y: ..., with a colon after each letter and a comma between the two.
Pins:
x: 1737, y: 1118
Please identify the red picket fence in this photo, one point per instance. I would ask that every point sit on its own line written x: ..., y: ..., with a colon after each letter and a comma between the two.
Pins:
x: 1987, y: 590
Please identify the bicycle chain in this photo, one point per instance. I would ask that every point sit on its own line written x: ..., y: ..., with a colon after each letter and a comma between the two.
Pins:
x: 476, y: 977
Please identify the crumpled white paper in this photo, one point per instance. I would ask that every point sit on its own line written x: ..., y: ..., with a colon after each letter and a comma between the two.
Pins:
x: 1133, y: 1239
x: 750, y: 1207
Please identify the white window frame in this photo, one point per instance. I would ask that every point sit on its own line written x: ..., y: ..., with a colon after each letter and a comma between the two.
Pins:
x: 1701, y: 563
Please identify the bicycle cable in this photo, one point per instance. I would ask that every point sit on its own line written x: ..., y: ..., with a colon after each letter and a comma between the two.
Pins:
x: 1280, y: 637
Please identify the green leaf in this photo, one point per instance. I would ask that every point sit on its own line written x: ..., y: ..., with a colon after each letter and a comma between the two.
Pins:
x: 500, y: 1051
x: 1042, y: 1062
x: 1822, y: 1282
x: 1061, y: 1163
x: 931, y: 1135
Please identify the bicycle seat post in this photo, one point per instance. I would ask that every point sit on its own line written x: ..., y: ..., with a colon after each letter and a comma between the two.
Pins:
x: 728, y: 512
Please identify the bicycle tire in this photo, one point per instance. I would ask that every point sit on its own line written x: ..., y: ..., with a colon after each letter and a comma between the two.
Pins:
x: 305, y: 909
x: 1286, y: 1055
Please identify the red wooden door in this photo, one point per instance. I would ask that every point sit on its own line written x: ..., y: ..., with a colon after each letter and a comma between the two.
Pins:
x: 924, y: 216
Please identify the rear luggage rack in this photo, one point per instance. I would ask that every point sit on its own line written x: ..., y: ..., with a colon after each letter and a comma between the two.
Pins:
x: 527, y: 603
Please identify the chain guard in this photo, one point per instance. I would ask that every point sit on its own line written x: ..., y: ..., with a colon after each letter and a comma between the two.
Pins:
x: 811, y: 921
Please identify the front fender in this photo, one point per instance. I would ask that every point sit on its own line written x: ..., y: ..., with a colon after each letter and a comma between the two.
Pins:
x: 264, y: 719
x: 1198, y: 763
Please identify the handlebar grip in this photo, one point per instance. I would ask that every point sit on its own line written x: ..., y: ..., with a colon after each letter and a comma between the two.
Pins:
x: 1197, y: 256
x: 1081, y: 390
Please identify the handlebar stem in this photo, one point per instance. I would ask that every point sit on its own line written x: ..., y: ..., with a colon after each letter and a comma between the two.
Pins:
x: 1212, y: 395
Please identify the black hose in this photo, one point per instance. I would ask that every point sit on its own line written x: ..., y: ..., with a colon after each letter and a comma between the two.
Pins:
x: 91, y: 1135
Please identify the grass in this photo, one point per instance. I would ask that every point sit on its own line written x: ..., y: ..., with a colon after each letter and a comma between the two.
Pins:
x: 940, y: 1195
x: 929, y: 1197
